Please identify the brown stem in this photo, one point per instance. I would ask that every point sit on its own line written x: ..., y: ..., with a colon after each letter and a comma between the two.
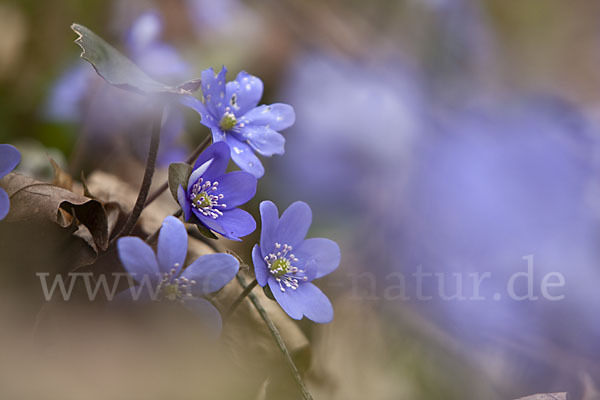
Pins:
x: 190, y: 160
x: 148, y: 174
x: 241, y: 298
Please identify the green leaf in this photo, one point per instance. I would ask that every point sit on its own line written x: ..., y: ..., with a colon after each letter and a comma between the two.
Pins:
x: 268, y: 292
x: 179, y: 174
x: 119, y: 70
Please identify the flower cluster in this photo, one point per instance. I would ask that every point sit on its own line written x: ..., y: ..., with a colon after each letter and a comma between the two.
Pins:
x: 285, y: 263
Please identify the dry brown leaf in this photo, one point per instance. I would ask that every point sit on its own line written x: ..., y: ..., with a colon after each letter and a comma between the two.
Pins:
x: 32, y: 200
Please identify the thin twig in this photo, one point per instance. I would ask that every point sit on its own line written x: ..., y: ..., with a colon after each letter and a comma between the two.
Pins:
x: 190, y: 160
x: 148, y: 174
x: 277, y: 336
x: 241, y: 298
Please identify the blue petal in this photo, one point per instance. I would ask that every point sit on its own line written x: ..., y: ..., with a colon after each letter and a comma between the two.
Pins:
x: 206, y: 312
x: 219, y: 153
x: 172, y: 245
x: 294, y: 224
x: 138, y: 258
x: 242, y: 155
x: 217, y: 134
x: 184, y: 202
x: 236, y: 223
x: 313, y: 303
x: 211, y: 272
x: 286, y: 299
x: 9, y: 158
x: 208, y: 222
x: 213, y: 89
x: 260, y: 268
x: 142, y: 293
x: 269, y: 216
x: 264, y: 140
x: 277, y: 116
x: 249, y: 92
x: 310, y: 270
x: 197, y: 174
x: 237, y: 188
x: 4, y: 204
x: 206, y: 118
x: 324, y: 252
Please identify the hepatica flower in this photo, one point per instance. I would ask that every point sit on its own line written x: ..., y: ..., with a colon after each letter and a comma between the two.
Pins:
x: 161, y: 275
x: 9, y: 159
x: 211, y: 196
x: 232, y: 113
x: 288, y: 262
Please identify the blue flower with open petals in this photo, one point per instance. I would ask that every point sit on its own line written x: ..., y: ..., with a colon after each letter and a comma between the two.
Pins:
x: 9, y: 158
x: 163, y: 272
x: 212, y: 195
x: 232, y: 113
x: 288, y: 262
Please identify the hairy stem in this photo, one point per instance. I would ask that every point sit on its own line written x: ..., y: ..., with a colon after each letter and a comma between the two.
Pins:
x: 148, y: 174
x: 241, y: 298
x: 190, y: 160
x: 277, y: 336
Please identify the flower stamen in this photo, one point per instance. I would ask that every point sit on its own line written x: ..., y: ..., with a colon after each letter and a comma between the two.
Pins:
x: 204, y: 201
x: 174, y: 289
x: 281, y: 267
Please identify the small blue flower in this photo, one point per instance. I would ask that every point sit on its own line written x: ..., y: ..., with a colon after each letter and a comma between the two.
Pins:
x: 9, y: 159
x: 231, y: 112
x: 163, y: 271
x: 288, y: 263
x: 212, y: 195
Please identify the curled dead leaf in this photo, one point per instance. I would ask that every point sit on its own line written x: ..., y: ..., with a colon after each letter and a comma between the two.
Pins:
x: 33, y: 200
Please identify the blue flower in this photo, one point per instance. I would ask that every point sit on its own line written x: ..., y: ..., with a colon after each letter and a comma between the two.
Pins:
x: 162, y: 274
x: 211, y: 196
x: 231, y: 112
x: 288, y: 263
x: 9, y: 158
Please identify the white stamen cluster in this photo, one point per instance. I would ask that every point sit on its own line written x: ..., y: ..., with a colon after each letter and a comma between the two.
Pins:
x: 204, y: 201
x: 175, y: 289
x: 280, y: 266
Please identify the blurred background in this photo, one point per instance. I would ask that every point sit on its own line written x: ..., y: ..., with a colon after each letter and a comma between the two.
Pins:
x: 454, y: 136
